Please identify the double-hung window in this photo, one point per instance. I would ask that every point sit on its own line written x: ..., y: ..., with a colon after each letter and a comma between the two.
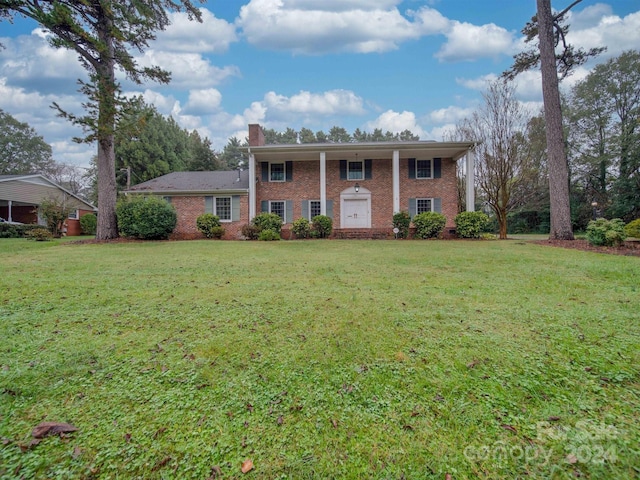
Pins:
x: 424, y: 205
x: 277, y: 172
x: 314, y: 209
x: 355, y: 170
x: 423, y: 169
x: 278, y: 207
x: 73, y: 215
x: 220, y: 206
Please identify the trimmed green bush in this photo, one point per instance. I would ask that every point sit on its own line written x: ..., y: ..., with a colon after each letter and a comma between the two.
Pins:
x: 603, y: 232
x: 12, y: 230
x: 268, y: 235
x: 250, y: 231
x: 268, y: 221
x: 471, y: 224
x: 322, y: 226
x: 429, y: 224
x: 210, y: 226
x: 402, y: 221
x: 301, y: 228
x: 89, y: 223
x: 632, y: 229
x: 39, y: 234
x: 146, y: 218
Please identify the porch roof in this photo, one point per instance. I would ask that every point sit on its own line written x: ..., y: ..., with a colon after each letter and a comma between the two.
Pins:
x: 338, y: 151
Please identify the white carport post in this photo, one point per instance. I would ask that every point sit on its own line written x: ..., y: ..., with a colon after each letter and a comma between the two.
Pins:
x: 396, y: 181
x: 323, y: 183
x: 252, y: 185
x: 471, y: 192
x: 10, y: 206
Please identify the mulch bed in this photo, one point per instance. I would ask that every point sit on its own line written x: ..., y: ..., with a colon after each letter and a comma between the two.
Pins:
x: 629, y: 248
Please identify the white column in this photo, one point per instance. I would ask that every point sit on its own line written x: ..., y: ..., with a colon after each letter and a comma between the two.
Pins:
x: 470, y: 167
x: 396, y: 181
x: 10, y: 206
x: 252, y: 186
x: 323, y: 183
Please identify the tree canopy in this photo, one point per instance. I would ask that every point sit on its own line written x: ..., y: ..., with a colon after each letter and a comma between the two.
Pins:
x: 22, y: 150
x: 104, y: 34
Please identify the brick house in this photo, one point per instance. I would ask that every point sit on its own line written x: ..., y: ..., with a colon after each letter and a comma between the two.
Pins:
x: 223, y: 193
x: 359, y: 185
x: 22, y: 195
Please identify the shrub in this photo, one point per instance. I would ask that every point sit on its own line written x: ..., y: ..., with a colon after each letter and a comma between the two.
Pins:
x: 39, y: 234
x: 89, y: 223
x: 402, y: 221
x: 632, y: 229
x: 301, y: 228
x: 250, y: 231
x: 471, y: 224
x: 210, y: 226
x: 55, y: 213
x: 268, y: 235
x: 429, y: 224
x: 606, y: 232
x: 9, y: 230
x: 147, y: 218
x: 322, y: 225
x: 268, y: 221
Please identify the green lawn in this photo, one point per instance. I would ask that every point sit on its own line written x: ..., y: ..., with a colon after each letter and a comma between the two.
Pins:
x: 319, y: 359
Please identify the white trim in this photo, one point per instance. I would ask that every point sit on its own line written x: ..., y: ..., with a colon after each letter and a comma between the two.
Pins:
x: 252, y: 185
x: 431, y: 204
x: 396, y: 181
x: 323, y: 184
x: 284, y: 172
x: 470, y: 181
x: 361, y: 162
x: 430, y: 160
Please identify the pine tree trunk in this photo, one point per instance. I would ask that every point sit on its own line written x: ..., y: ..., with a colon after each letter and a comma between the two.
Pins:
x: 558, y: 169
x: 107, y: 227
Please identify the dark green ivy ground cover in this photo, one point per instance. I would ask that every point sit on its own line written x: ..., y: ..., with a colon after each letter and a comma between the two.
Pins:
x: 319, y: 359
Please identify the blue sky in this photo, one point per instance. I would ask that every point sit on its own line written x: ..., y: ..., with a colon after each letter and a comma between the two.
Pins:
x: 389, y: 64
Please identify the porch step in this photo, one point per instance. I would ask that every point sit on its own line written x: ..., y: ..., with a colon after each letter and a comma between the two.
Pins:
x: 362, y: 233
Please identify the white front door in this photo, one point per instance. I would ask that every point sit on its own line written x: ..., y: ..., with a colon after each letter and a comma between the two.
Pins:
x: 356, y: 213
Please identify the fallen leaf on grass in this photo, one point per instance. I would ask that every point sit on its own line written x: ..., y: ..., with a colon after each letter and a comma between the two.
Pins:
x: 27, y: 446
x: 280, y: 420
x: 572, y: 459
x: 554, y: 418
x: 247, y: 466
x: 511, y: 428
x: 77, y: 451
x: 52, y: 428
x: 216, y: 472
x: 448, y: 476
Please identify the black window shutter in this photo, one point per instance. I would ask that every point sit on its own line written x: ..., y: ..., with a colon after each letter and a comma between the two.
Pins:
x: 437, y: 167
x: 367, y: 169
x: 343, y: 169
x: 412, y: 168
x: 289, y: 171
x: 264, y: 166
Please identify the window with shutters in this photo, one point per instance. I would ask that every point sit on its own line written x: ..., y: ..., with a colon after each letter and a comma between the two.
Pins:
x: 220, y: 206
x: 423, y: 169
x: 277, y: 172
x: 424, y: 205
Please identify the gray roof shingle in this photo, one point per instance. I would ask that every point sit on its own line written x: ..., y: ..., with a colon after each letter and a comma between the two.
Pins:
x: 195, y: 182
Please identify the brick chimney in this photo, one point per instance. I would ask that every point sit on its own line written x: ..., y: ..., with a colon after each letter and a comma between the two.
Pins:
x: 256, y: 135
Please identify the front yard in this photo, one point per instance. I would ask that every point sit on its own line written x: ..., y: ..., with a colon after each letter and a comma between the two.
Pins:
x: 319, y: 359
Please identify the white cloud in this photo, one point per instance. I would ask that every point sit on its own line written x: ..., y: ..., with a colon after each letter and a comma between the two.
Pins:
x: 183, y: 35
x: 396, y: 122
x: 618, y: 34
x: 470, y: 42
x: 312, y: 27
x: 449, y: 114
x: 188, y: 70
x: 333, y: 102
x: 203, y: 102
